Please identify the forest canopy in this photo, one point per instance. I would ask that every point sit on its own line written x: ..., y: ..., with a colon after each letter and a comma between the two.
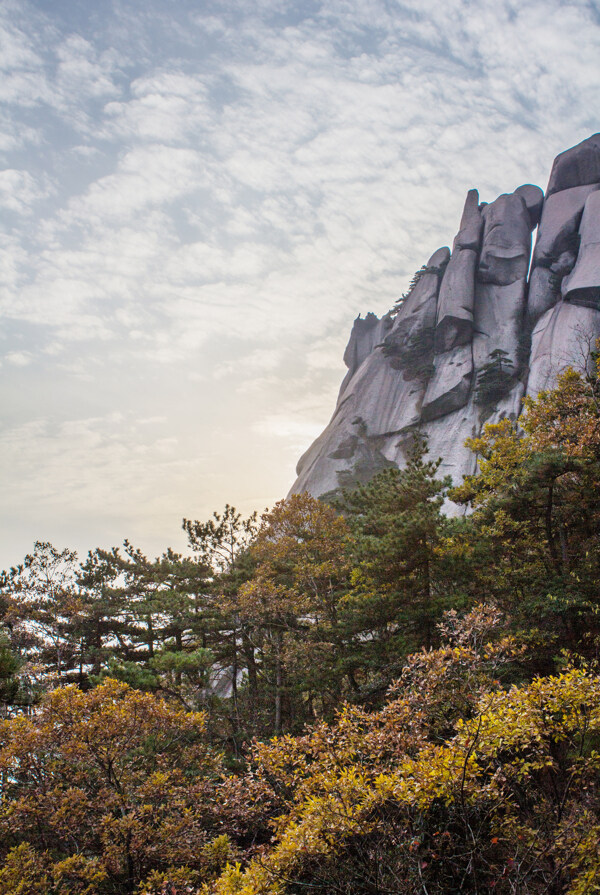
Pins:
x: 367, y: 696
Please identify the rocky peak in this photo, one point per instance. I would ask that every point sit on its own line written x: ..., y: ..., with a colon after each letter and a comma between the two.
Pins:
x: 474, y: 334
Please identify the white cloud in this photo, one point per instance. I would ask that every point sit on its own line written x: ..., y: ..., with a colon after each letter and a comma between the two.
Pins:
x: 18, y: 358
x: 167, y: 106
x: 84, y: 71
x: 19, y: 191
x: 204, y: 202
x: 146, y: 177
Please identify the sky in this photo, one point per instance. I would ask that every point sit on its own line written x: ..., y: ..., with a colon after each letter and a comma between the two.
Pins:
x: 198, y: 198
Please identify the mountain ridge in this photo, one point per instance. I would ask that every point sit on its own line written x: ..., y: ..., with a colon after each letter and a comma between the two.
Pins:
x: 483, y: 325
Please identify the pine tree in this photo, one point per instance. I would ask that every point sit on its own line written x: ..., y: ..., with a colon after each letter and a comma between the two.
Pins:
x: 397, y: 524
x: 494, y: 379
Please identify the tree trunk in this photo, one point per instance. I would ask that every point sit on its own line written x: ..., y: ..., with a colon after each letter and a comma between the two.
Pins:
x: 278, y: 682
x: 234, y: 676
x: 248, y: 651
x: 549, y: 532
x: 150, y: 629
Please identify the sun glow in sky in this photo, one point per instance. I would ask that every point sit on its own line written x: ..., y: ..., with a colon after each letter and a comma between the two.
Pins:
x: 199, y: 197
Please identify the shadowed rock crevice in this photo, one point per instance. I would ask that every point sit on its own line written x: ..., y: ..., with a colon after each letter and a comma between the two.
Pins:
x: 473, y: 334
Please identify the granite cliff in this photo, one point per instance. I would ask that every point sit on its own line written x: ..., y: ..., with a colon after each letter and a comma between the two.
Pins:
x: 481, y: 326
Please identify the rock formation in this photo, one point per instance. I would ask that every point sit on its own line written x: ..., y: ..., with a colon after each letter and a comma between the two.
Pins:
x: 474, y: 334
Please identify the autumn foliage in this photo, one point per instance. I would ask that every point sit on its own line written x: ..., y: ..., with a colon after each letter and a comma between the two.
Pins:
x: 367, y: 699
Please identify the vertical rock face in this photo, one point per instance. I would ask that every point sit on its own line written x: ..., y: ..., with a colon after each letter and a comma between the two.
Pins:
x: 456, y: 298
x: 562, y: 308
x: 582, y: 285
x: 474, y: 334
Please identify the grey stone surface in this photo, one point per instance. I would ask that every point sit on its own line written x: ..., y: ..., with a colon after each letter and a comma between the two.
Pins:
x: 449, y: 387
x: 384, y: 400
x: 427, y: 367
x: 582, y: 286
x: 562, y: 338
x: 560, y: 222
x: 409, y: 343
x: 576, y: 166
x: 533, y: 196
x: 455, y: 303
x: 506, y: 245
x: 499, y: 322
x: 378, y: 402
x: 366, y: 333
x: 439, y: 258
x: 471, y: 224
x: 564, y: 264
x: 542, y: 294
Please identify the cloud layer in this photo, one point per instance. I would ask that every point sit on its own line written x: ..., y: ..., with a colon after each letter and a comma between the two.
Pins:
x: 199, y: 198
